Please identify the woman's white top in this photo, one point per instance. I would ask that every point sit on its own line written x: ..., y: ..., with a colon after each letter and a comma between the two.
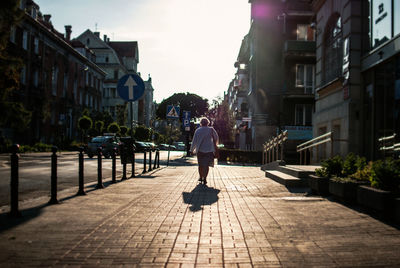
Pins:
x: 203, y: 140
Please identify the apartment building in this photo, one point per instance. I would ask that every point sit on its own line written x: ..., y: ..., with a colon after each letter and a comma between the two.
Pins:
x: 57, y: 80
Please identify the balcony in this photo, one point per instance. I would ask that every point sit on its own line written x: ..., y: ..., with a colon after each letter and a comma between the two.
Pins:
x: 295, y: 49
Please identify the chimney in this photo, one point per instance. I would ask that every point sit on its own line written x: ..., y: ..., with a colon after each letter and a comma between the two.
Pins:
x: 47, y: 17
x: 97, y: 34
x: 68, y: 32
x: 105, y: 38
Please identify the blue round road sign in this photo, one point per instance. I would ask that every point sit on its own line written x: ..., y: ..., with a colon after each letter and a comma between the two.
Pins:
x: 130, y: 87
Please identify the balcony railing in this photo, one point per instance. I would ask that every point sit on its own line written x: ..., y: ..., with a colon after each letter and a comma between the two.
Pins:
x: 298, y: 48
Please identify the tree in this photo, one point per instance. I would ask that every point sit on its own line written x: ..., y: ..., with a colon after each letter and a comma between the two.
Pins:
x: 14, y: 114
x: 85, y: 123
x: 122, y: 114
x: 187, y: 102
x: 142, y: 133
x: 113, y: 128
x: 222, y: 120
x: 123, y: 130
x: 99, y: 126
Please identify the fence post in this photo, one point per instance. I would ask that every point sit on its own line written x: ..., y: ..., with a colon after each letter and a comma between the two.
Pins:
x: 53, y: 199
x: 81, y: 191
x: 123, y: 160
x: 14, y: 212
x: 155, y: 159
x: 99, y: 169
x: 282, y: 151
x: 113, y: 167
x: 158, y: 159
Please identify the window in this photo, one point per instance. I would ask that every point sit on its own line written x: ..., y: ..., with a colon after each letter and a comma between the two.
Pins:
x: 305, y: 77
x: 23, y: 75
x: 88, y: 42
x: 54, y: 77
x: 333, y: 49
x: 75, y: 88
x: 36, y: 45
x: 12, y: 34
x: 303, y: 114
x: 25, y: 40
x: 36, y: 78
x: 65, y: 84
x: 113, y: 93
x: 305, y: 32
x: 115, y: 74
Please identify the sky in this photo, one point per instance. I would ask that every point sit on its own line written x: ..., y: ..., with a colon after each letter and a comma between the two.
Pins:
x: 185, y: 45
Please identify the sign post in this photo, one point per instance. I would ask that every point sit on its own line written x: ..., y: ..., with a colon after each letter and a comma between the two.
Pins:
x: 131, y: 87
x: 186, y: 126
x: 172, y: 113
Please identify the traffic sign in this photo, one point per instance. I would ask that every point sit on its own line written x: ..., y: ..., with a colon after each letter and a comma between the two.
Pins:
x: 173, y: 112
x: 186, y: 120
x: 130, y: 87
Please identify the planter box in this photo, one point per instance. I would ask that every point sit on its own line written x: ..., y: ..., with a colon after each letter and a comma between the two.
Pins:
x: 318, y: 185
x: 344, y: 191
x: 376, y: 199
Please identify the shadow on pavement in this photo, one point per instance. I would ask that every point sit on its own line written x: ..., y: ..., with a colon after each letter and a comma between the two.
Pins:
x: 7, y: 222
x: 201, y: 195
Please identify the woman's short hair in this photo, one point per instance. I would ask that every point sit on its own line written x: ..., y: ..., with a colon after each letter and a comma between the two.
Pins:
x: 204, y: 121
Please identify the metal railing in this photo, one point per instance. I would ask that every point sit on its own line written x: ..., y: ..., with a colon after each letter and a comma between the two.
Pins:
x: 307, y: 146
x: 387, y: 145
x: 272, y: 147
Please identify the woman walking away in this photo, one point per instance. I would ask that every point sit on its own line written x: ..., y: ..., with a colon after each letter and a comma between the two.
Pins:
x: 204, y: 144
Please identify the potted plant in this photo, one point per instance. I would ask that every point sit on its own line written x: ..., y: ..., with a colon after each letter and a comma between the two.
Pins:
x: 319, y: 183
x: 384, y: 176
x: 344, y: 185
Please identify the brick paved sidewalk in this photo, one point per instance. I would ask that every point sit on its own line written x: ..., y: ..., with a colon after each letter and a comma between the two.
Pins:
x: 242, y: 219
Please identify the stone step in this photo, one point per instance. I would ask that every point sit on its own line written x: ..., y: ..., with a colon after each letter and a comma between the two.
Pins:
x: 285, y: 179
x: 295, y: 172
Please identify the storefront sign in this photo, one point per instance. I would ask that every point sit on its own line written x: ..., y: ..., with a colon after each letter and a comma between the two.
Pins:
x: 298, y: 132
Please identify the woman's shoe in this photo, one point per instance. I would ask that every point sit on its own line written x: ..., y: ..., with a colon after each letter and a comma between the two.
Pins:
x: 200, y: 179
x: 205, y: 182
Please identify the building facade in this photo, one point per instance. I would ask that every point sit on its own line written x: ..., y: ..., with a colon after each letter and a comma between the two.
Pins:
x: 358, y: 74
x: 275, y: 72
x: 58, y: 80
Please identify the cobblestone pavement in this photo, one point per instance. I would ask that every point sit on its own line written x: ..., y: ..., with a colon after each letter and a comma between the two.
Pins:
x: 165, y: 219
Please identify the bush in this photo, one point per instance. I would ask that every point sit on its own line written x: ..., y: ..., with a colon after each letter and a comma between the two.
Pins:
x: 331, y: 167
x: 113, y: 128
x: 385, y: 174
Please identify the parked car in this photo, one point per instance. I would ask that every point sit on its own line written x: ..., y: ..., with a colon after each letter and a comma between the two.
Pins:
x: 141, y: 146
x: 180, y: 146
x: 108, y: 143
x: 151, y: 145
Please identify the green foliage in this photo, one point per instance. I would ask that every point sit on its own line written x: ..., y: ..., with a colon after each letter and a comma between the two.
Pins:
x: 385, y: 174
x: 37, y: 147
x: 187, y: 102
x: 363, y: 172
x: 122, y: 114
x: 17, y: 117
x: 113, y: 128
x: 159, y: 138
x: 222, y: 119
x: 123, y: 131
x: 352, y: 164
x: 85, y: 123
x: 99, y: 126
x: 331, y: 167
x: 142, y: 133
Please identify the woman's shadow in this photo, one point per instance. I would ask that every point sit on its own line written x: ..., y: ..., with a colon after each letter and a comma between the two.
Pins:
x: 201, y: 195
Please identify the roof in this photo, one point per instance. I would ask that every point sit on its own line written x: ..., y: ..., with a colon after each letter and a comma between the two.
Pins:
x: 125, y: 48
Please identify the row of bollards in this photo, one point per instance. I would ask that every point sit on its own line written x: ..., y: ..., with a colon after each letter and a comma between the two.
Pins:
x: 14, y: 211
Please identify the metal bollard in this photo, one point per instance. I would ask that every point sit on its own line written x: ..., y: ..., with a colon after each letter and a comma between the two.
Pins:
x: 150, y: 169
x: 99, y: 169
x: 14, y: 212
x: 155, y: 160
x: 144, y: 162
x: 133, y: 165
x: 123, y: 156
x: 53, y: 199
x: 158, y: 159
x: 81, y: 190
x: 113, y: 168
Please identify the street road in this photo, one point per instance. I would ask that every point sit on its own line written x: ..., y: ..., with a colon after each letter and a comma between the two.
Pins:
x: 35, y: 172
